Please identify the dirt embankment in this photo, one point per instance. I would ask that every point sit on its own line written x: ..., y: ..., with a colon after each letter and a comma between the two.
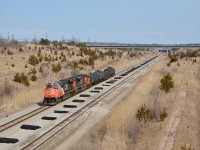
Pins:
x: 121, y: 130
x: 15, y: 96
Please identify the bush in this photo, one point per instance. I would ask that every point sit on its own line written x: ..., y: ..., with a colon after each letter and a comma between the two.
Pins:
x: 168, y: 64
x: 178, y: 64
x: 75, y: 64
x: 13, y: 65
x: 166, y: 82
x: 63, y: 58
x: 40, y: 59
x: 182, y: 55
x: 33, y: 60
x: 20, y: 49
x: 10, y: 52
x: 44, y: 41
x: 39, y: 52
x: 56, y: 68
x: 21, y: 78
x: 173, y: 58
x: 163, y: 115
x: 40, y: 69
x: 143, y: 113
x: 26, y: 66
x: 132, y: 55
x: 33, y: 78
x: 91, y: 61
x: 7, y: 89
x: 33, y: 71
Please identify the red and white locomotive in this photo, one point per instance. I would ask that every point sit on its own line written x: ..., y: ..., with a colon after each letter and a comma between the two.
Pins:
x: 60, y: 90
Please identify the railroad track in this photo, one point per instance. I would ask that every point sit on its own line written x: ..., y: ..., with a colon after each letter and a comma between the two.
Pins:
x: 120, y: 78
x: 39, y: 141
x: 40, y: 109
x: 22, y: 118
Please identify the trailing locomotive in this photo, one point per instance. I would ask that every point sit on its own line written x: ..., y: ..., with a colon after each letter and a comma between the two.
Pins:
x: 58, y: 91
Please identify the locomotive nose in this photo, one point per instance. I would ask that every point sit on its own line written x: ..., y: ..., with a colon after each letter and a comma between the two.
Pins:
x: 49, y: 93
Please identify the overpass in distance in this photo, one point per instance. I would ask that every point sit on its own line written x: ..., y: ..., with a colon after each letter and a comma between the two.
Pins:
x: 143, y: 46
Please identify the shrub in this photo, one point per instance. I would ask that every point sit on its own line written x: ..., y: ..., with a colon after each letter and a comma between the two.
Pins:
x: 143, y: 113
x: 178, y: 64
x: 132, y: 55
x: 26, y: 66
x: 187, y: 147
x: 75, y: 64
x: 40, y: 69
x: 173, y: 58
x: 163, y: 115
x: 56, y: 68
x: 182, y: 55
x: 21, y: 78
x: 10, y: 52
x: 33, y: 71
x: 91, y: 61
x: 7, y: 89
x: 20, y: 49
x: 39, y: 52
x: 166, y: 82
x: 33, y: 60
x: 33, y: 78
x: 63, y: 59
x: 40, y: 59
x: 13, y: 65
x: 44, y: 41
x: 168, y: 64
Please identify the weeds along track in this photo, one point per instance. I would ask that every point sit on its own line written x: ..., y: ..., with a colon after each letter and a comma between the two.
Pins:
x: 22, y: 118
x: 34, y: 139
x: 36, y: 143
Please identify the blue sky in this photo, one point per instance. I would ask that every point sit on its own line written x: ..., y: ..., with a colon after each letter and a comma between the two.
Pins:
x: 129, y: 21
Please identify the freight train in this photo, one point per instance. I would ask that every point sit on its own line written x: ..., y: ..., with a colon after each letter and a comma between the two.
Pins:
x: 58, y: 91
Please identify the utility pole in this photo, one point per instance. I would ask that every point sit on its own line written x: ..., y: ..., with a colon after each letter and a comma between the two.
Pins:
x: 35, y: 39
x: 12, y: 37
x: 8, y: 36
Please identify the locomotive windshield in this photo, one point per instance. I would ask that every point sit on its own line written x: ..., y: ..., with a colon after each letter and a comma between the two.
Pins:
x: 54, y: 86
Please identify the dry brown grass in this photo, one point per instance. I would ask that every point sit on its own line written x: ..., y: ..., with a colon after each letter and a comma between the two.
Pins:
x: 19, y: 96
x: 120, y: 129
x: 188, y: 132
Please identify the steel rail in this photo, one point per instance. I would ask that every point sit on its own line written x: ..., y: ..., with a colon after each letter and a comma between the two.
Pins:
x: 40, y: 140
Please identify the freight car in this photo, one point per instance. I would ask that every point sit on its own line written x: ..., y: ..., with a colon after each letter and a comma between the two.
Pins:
x: 58, y: 91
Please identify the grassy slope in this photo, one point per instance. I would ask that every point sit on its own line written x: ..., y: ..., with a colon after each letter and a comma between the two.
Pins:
x: 15, y: 96
x: 120, y: 130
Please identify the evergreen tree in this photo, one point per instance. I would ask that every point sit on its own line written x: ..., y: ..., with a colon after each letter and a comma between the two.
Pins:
x: 166, y: 82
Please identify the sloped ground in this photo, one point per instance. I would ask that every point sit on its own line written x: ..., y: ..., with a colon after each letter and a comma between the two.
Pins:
x: 120, y: 129
x: 15, y: 96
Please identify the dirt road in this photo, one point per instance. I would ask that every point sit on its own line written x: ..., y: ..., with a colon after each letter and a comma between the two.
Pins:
x: 170, y: 132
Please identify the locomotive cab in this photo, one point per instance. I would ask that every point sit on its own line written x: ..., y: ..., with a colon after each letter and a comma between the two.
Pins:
x: 51, y: 93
